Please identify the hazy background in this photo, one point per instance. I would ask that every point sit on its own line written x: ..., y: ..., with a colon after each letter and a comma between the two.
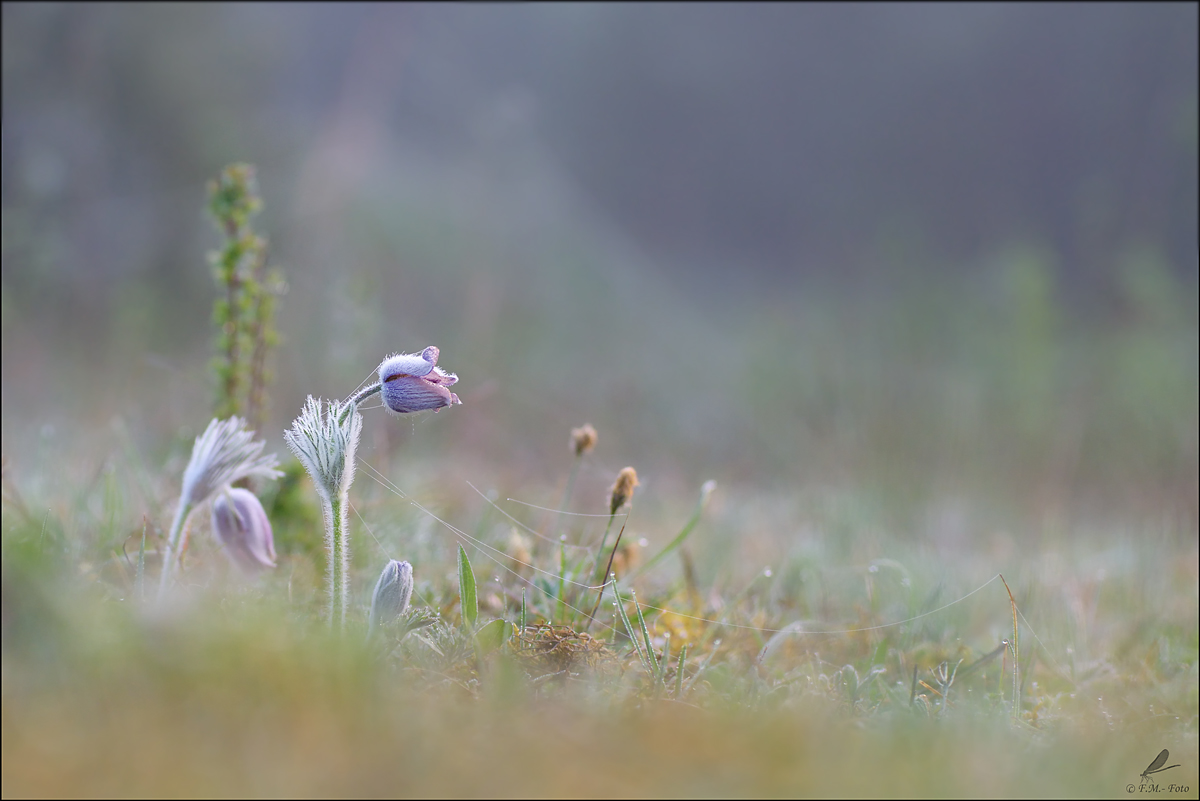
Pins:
x: 932, y: 249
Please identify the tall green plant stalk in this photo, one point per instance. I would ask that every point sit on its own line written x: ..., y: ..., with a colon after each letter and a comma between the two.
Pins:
x: 339, y: 556
x: 244, y: 311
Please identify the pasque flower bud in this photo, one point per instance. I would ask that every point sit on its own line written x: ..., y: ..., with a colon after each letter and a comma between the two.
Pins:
x: 412, y: 382
x: 392, y: 593
x: 241, y: 524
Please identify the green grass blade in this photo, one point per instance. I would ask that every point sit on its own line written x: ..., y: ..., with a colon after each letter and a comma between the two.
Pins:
x: 492, y: 635
x: 679, y: 672
x: 665, y: 662
x: 139, y: 581
x: 629, y: 626
x: 560, y: 606
x: 688, y: 527
x: 466, y: 590
x: 604, y: 541
x: 650, y: 656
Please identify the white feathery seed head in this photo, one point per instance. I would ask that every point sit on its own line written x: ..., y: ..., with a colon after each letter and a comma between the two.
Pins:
x: 223, y: 454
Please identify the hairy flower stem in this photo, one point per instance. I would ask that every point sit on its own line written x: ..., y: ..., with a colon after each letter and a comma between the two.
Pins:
x: 168, y: 571
x: 339, y: 557
x: 336, y: 516
x: 357, y: 398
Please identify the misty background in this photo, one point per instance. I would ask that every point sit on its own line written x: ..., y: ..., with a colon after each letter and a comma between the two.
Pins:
x: 932, y: 247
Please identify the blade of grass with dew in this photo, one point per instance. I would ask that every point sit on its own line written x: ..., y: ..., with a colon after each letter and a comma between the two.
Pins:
x: 679, y: 672
x: 664, y: 663
x: 603, y: 580
x: 560, y: 603
x: 651, y: 657
x: 139, y: 582
x: 466, y: 591
x: 1016, y: 708
x: 620, y: 604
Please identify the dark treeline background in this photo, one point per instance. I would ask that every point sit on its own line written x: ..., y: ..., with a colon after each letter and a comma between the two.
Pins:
x: 786, y: 139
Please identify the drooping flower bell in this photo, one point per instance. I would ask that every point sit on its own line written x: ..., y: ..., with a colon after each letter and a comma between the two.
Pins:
x: 412, y: 382
x: 241, y: 524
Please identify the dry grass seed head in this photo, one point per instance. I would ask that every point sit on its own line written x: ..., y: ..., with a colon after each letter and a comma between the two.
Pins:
x: 622, y: 489
x: 583, y: 439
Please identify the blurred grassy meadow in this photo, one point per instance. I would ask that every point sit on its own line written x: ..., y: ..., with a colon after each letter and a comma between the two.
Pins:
x: 889, y: 426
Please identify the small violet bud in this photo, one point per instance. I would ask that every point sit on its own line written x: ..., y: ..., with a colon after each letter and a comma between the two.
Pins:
x: 392, y: 593
x: 241, y: 524
x: 412, y: 382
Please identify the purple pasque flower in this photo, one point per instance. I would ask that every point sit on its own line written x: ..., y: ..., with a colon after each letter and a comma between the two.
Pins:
x: 241, y: 524
x: 412, y: 382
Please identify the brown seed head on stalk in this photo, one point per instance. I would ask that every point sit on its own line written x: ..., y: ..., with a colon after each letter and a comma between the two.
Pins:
x: 622, y: 490
x: 583, y: 439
